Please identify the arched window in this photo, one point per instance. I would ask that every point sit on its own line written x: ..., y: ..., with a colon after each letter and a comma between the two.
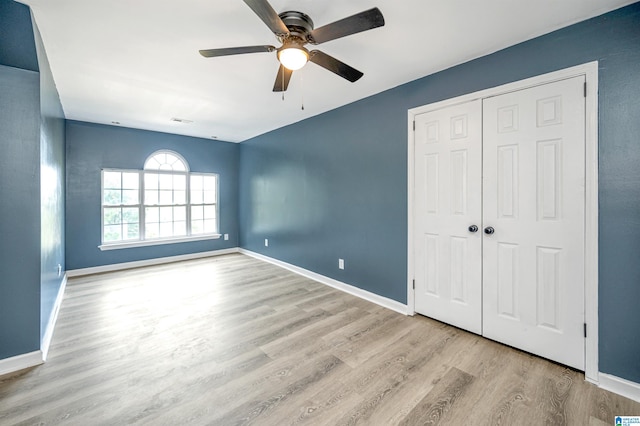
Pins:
x: 166, y: 160
x: 164, y: 202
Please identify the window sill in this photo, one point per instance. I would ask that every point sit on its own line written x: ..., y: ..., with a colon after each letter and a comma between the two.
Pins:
x: 131, y: 244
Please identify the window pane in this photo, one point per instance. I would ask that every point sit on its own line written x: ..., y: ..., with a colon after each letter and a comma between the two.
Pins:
x: 179, y: 166
x: 130, y: 215
x: 150, y: 181
x: 209, y: 197
x: 151, y: 197
x: 196, y: 197
x: 131, y: 231
x: 197, y: 227
x: 180, y: 182
x: 209, y: 183
x: 170, y: 159
x: 166, y: 181
x: 166, y: 214
x: 209, y: 226
x: 180, y: 213
x: 196, y: 212
x: 209, y: 212
x: 112, y: 180
x: 179, y: 197
x: 166, y: 229
x: 152, y: 214
x: 180, y: 228
x: 152, y: 230
x: 112, y: 216
x: 112, y: 197
x: 130, y: 196
x: 196, y: 182
x: 130, y: 181
x: 166, y: 197
x: 152, y: 164
x: 112, y: 233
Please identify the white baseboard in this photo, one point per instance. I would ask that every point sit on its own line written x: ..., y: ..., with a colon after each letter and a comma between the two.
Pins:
x: 347, y: 288
x: 149, y: 262
x: 48, y: 333
x: 20, y: 362
x: 623, y: 387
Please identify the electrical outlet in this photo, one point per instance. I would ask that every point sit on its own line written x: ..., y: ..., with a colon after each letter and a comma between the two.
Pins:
x: 341, y: 263
x: 226, y: 237
x: 266, y: 242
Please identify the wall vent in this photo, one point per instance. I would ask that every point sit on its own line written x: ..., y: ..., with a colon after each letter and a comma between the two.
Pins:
x: 182, y: 120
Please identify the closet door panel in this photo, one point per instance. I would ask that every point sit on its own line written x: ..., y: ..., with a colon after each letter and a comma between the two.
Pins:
x: 448, y: 200
x: 533, y: 186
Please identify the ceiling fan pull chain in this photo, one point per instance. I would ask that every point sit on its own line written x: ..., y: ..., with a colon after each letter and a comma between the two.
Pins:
x: 302, y: 90
x: 283, y: 71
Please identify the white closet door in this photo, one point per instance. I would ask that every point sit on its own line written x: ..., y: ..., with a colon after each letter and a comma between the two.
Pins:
x: 534, y: 195
x: 448, y: 195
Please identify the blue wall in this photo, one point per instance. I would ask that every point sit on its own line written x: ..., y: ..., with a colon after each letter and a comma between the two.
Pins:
x: 31, y: 183
x: 52, y: 178
x: 335, y: 185
x: 19, y: 184
x: 331, y: 187
x: 19, y: 212
x: 17, y: 47
x: 92, y: 147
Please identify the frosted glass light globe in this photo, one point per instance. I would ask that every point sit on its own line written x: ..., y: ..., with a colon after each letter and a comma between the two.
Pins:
x: 293, y: 58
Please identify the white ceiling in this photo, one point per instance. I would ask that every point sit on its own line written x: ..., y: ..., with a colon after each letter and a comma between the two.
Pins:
x: 137, y: 62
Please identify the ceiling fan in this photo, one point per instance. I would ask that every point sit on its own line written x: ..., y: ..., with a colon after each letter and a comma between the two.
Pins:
x: 294, y: 30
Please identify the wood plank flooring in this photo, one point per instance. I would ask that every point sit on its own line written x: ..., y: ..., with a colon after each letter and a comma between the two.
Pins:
x: 231, y: 340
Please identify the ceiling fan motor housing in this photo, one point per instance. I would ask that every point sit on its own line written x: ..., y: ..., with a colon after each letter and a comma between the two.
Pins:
x: 299, y: 24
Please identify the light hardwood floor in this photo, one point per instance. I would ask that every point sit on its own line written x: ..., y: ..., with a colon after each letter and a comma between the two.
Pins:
x: 231, y: 340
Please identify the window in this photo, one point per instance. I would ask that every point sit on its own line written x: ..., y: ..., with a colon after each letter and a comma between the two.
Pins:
x: 162, y: 203
x: 121, y: 206
x: 203, y: 204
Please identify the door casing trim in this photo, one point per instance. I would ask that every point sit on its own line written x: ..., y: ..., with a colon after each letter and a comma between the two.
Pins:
x: 590, y: 72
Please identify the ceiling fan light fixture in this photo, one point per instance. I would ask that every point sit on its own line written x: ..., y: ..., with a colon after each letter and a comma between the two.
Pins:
x: 293, y: 57
x: 295, y: 30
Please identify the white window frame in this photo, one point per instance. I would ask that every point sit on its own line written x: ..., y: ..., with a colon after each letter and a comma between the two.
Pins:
x: 142, y: 241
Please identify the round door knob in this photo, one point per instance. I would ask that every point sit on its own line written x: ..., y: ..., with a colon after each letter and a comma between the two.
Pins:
x: 473, y: 228
x: 489, y: 230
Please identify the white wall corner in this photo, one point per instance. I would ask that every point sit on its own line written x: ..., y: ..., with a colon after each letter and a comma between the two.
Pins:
x: 20, y: 362
x: 339, y: 285
x: 623, y: 387
x: 48, y: 333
